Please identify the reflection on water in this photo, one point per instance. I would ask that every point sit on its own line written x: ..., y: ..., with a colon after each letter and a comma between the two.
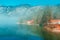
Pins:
x: 19, y: 32
x: 9, y: 30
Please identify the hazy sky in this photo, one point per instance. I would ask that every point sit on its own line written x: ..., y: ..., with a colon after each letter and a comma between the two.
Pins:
x: 31, y: 2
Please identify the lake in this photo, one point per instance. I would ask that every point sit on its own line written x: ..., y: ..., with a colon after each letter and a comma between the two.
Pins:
x: 10, y: 30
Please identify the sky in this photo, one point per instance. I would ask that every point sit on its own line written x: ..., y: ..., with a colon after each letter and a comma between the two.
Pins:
x: 31, y: 2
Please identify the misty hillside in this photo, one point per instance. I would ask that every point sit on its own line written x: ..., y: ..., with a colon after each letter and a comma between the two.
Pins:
x: 23, y: 12
x: 27, y: 11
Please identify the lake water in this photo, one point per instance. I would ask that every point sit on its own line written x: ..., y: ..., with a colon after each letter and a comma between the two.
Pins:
x: 10, y: 30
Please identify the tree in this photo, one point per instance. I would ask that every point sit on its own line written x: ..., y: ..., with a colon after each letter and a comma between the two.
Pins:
x: 46, y: 16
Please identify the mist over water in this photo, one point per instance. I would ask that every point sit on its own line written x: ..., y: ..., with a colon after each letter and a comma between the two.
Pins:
x: 10, y: 30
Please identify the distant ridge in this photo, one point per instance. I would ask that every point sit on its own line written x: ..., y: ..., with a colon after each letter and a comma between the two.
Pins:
x: 22, y: 5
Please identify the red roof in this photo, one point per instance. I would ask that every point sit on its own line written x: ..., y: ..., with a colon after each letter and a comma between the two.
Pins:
x: 55, y: 20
